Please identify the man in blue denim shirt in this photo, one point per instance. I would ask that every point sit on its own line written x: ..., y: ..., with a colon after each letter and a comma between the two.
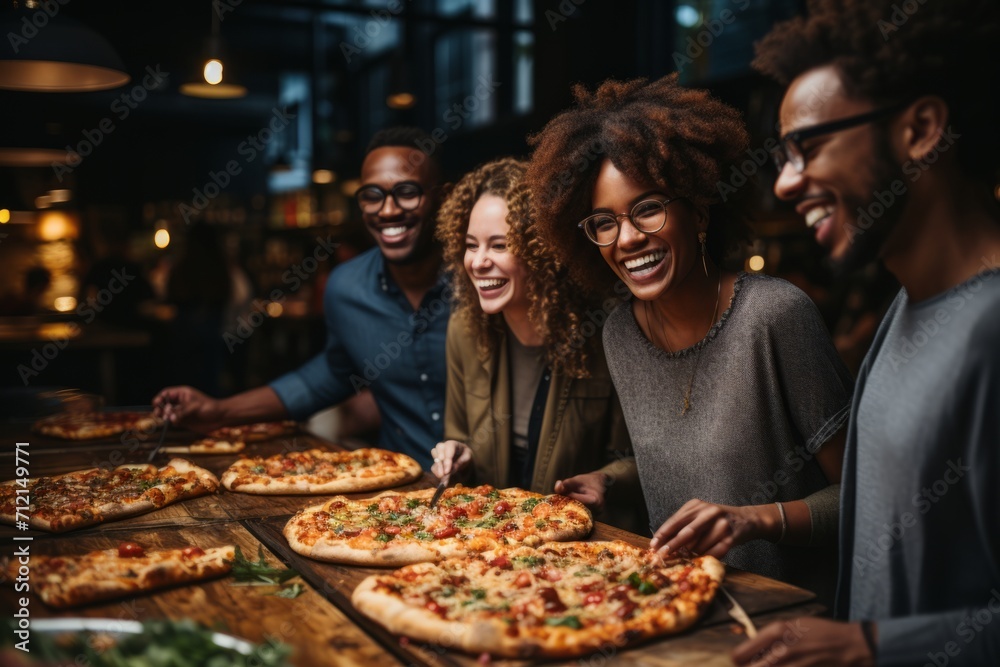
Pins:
x: 386, y: 315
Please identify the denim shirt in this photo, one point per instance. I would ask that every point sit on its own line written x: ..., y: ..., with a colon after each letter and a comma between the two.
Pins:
x: 375, y: 339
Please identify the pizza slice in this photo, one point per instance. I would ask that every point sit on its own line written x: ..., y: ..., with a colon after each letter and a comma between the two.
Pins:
x: 71, y: 581
x: 97, y: 495
x: 209, y: 445
x: 233, y: 439
x: 557, y: 601
x: 93, y: 425
x: 396, y: 528
x: 318, y: 471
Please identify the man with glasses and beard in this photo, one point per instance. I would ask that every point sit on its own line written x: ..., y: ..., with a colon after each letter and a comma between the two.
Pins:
x: 889, y: 150
x: 386, y: 314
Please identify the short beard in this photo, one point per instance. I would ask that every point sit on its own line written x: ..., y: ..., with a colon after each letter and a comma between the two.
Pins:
x: 867, y: 244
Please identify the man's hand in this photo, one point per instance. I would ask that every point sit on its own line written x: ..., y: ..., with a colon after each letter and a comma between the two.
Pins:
x: 804, y: 642
x: 712, y: 530
x: 451, y: 457
x: 189, y: 408
x: 589, y: 488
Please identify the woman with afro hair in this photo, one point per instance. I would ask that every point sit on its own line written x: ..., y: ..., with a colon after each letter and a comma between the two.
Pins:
x: 734, y: 396
x: 529, y: 401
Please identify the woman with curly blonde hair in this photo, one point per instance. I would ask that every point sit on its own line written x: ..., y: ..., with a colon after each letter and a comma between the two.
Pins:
x: 529, y: 402
x: 734, y: 395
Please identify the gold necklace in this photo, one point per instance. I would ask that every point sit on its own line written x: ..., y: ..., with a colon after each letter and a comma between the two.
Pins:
x: 697, y: 358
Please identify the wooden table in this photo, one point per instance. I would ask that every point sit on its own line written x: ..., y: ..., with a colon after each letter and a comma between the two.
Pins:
x: 321, y: 625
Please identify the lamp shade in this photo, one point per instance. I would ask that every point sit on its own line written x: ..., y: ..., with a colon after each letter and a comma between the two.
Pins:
x: 56, y: 54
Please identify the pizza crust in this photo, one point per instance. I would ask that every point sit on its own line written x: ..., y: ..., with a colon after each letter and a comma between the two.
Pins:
x: 71, y: 581
x: 94, y: 425
x: 88, y: 497
x: 309, y: 532
x: 253, y: 475
x: 403, y: 601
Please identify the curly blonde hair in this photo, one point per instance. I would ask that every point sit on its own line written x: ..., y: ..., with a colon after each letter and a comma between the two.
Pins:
x: 556, y: 303
x: 679, y: 139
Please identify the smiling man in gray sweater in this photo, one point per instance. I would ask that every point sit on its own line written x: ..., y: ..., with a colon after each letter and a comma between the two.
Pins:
x: 890, y: 148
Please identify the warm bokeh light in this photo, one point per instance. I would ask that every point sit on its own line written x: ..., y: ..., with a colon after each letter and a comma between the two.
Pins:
x: 161, y: 238
x: 756, y: 263
x: 213, y: 71
x: 349, y: 187
x: 43, y: 201
x: 4, y: 216
x: 274, y: 309
x: 64, y: 304
x: 401, y: 101
x: 59, y: 196
x: 323, y: 176
x: 57, y: 225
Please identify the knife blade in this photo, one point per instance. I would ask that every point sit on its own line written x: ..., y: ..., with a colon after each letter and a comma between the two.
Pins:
x: 739, y: 614
x: 439, y: 491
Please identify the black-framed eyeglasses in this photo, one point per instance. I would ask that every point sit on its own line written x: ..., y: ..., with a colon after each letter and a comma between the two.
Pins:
x: 648, y: 216
x: 789, y: 148
x: 371, y: 198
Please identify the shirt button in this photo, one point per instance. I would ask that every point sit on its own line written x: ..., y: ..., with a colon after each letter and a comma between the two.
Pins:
x: 423, y: 377
x: 435, y: 416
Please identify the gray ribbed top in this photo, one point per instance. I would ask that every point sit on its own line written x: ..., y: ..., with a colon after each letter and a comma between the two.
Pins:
x: 769, y: 390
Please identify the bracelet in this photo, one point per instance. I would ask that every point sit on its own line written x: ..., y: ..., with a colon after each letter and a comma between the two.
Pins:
x: 868, y: 633
x: 784, y: 522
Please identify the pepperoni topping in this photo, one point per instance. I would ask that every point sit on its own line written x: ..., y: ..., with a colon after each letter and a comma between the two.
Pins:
x: 130, y: 550
x: 626, y: 610
x: 192, y: 552
x: 551, y: 600
x: 451, y: 531
x: 502, y: 562
x: 592, y: 586
x: 593, y: 598
x: 551, y: 574
x: 337, y: 504
x: 392, y: 530
x: 435, y: 608
x: 501, y: 508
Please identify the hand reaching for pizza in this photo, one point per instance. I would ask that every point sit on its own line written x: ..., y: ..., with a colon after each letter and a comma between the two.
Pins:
x: 451, y: 457
x: 188, y: 407
x: 805, y: 641
x: 709, y: 529
x: 589, y: 488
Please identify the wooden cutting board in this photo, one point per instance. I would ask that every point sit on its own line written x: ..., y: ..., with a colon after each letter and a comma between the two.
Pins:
x: 316, y: 630
x: 708, y: 642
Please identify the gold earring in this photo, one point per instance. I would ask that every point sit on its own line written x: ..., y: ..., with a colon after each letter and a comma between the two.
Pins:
x: 704, y: 250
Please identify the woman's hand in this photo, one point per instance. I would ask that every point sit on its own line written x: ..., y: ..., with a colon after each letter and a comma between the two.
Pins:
x: 451, y: 457
x: 589, y: 489
x: 709, y: 529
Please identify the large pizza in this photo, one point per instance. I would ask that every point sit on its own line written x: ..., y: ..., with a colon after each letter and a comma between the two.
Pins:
x: 87, y: 497
x: 128, y: 569
x: 317, y: 471
x: 399, y: 528
x: 556, y: 601
x: 93, y: 425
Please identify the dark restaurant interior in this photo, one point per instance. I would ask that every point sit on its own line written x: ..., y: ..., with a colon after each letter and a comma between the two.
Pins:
x: 163, y: 231
x: 261, y: 260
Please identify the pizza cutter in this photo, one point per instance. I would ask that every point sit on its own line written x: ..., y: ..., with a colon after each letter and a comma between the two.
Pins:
x: 439, y: 491
x: 739, y: 614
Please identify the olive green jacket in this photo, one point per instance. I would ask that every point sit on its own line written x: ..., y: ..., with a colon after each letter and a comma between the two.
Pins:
x: 583, y: 429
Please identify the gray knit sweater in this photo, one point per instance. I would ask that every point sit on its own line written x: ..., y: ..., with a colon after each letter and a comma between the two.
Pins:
x: 768, y: 391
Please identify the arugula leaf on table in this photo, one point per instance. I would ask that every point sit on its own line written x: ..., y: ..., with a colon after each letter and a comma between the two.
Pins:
x: 259, y: 572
